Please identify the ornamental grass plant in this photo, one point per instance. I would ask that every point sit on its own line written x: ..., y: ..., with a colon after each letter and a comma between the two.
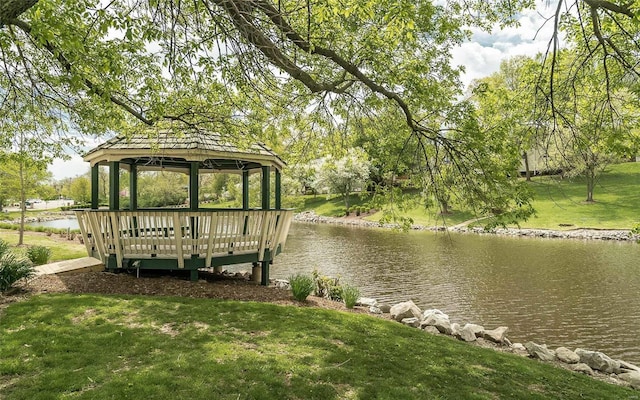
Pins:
x: 301, y: 286
x: 38, y: 255
x: 350, y: 295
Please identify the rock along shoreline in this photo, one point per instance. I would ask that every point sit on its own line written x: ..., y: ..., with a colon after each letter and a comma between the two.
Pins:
x: 623, y: 235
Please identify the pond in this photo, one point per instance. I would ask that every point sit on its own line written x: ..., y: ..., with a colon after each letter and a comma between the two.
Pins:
x: 560, y: 292
x: 65, y: 223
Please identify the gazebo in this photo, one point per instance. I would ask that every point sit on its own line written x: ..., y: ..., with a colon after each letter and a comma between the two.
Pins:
x: 184, y: 237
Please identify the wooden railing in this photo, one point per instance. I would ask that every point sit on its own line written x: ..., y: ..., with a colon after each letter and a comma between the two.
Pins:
x: 182, y: 234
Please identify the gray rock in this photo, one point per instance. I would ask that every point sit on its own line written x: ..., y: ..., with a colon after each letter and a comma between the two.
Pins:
x: 540, y: 351
x: 413, y: 322
x: 598, y: 361
x: 431, y: 329
x: 408, y: 309
x: 439, y: 321
x: 632, y: 377
x: 627, y: 367
x: 496, y: 335
x: 366, y: 302
x: 470, y: 332
x: 375, y: 310
x: 385, y: 308
x: 567, y: 356
x: 282, y: 284
x: 427, y: 313
x: 518, y: 347
x: 582, y: 368
x: 455, y: 328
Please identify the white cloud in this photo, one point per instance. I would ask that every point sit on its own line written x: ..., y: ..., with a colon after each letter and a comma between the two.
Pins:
x: 482, y: 55
x: 68, y: 168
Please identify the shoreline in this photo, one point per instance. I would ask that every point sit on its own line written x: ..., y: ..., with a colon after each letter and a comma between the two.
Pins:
x: 622, y: 235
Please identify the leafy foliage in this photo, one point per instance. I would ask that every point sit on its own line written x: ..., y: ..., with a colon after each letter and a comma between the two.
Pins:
x: 38, y: 255
x: 301, y: 286
x: 344, y: 175
x: 13, y: 269
x: 326, y: 286
x: 4, y: 247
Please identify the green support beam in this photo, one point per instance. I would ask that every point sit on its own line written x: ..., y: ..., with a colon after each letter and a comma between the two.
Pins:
x: 266, y: 187
x: 265, y: 268
x: 278, y: 190
x: 245, y: 190
x: 193, y: 185
x: 133, y: 187
x: 114, y: 185
x: 95, y: 189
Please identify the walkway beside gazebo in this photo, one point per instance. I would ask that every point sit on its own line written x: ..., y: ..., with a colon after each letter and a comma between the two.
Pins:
x: 184, y: 238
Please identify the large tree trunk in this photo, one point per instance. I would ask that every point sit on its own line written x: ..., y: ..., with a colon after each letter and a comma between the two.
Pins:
x: 10, y: 9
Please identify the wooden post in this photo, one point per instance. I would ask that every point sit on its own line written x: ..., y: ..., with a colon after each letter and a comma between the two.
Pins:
x: 266, y: 189
x: 278, y: 190
x: 95, y: 188
x: 193, y: 185
x: 133, y: 187
x: 245, y: 190
x: 114, y: 185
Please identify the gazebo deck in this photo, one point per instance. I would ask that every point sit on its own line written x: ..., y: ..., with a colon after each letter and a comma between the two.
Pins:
x: 183, y: 239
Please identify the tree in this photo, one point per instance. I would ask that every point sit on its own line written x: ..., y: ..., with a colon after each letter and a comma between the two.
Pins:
x: 80, y: 190
x: 344, y: 175
x: 93, y: 67
x: 20, y: 178
x: 162, y: 189
x: 595, y: 122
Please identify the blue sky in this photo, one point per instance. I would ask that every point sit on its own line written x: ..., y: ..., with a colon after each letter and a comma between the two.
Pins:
x: 481, y: 56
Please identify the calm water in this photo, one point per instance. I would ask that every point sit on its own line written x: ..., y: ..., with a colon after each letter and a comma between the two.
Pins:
x: 71, y: 223
x: 558, y: 292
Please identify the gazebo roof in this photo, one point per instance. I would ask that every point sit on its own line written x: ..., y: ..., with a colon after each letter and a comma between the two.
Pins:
x: 155, y: 150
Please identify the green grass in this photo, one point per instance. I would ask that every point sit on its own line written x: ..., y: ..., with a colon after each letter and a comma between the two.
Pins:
x: 60, y: 249
x: 128, y: 347
x: 617, y: 201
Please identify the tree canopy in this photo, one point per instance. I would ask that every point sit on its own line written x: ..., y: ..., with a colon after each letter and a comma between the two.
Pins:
x: 286, y: 70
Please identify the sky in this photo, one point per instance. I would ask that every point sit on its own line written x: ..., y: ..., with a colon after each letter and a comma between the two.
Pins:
x: 481, y: 56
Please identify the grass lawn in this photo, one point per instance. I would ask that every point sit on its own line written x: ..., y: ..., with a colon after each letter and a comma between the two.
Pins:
x: 135, y: 347
x: 61, y: 249
x: 617, y: 201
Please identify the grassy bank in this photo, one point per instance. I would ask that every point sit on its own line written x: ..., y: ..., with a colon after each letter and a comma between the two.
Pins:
x: 559, y: 203
x: 103, y: 347
x: 61, y: 249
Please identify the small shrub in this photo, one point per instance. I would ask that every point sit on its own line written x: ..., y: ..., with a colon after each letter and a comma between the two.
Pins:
x: 4, y: 247
x: 12, y: 269
x: 327, y: 287
x: 350, y: 295
x: 48, y: 232
x: 301, y: 286
x: 39, y: 254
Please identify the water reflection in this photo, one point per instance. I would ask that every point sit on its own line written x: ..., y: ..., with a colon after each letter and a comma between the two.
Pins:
x: 65, y: 223
x: 559, y: 292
